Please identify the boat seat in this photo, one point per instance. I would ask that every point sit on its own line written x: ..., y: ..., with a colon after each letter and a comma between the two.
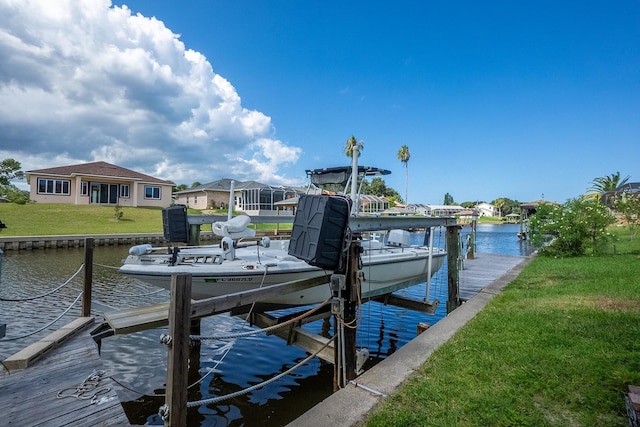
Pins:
x: 236, y: 227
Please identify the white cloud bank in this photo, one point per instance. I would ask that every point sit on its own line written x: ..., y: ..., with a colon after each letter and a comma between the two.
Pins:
x: 82, y: 80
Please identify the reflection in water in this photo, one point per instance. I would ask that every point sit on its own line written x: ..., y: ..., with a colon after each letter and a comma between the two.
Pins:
x: 138, y: 361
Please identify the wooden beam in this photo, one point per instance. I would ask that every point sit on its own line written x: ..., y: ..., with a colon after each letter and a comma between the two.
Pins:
x: 178, y: 357
x: 154, y: 316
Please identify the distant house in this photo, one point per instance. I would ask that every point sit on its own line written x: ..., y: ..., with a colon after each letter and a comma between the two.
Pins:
x: 98, y: 183
x: 435, y: 210
x: 487, y: 209
x: 250, y: 197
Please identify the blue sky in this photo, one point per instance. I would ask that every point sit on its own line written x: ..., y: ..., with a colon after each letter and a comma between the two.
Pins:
x: 493, y: 99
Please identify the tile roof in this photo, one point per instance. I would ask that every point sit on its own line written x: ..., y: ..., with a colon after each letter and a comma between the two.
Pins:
x: 98, y: 169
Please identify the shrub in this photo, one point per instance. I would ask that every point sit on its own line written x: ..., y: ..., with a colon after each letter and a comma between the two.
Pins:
x: 572, y: 228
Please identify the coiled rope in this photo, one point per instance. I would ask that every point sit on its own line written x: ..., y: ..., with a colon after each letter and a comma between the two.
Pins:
x: 87, y: 389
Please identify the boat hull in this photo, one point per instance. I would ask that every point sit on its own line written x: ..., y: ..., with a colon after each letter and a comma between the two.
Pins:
x: 383, y: 272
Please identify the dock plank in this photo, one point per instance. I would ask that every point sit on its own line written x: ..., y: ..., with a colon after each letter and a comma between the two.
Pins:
x: 480, y: 272
x: 30, y: 396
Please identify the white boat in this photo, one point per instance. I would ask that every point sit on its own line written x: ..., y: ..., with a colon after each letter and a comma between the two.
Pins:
x: 222, y: 270
x: 389, y: 263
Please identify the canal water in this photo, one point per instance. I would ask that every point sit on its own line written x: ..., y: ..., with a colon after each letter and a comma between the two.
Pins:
x: 138, y: 361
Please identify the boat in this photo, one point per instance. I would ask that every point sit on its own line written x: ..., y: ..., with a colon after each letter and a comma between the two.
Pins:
x: 241, y: 262
x: 388, y: 264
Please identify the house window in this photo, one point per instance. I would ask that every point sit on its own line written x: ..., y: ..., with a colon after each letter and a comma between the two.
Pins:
x: 53, y: 186
x: 84, y: 188
x: 195, y: 200
x: 124, y: 191
x: 151, y: 192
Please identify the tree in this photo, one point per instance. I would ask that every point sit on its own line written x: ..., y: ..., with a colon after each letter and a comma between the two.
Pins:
x: 507, y: 206
x: 404, y: 155
x: 602, y: 184
x: 10, y: 170
x: 448, y: 200
x: 351, y: 144
x: 628, y: 204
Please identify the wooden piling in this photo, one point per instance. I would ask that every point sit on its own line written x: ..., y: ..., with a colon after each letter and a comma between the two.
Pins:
x: 177, y: 361
x: 453, y: 254
x: 88, y: 277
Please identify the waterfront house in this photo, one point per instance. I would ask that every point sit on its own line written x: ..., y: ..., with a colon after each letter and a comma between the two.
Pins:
x: 487, y: 209
x: 250, y: 197
x: 98, y: 183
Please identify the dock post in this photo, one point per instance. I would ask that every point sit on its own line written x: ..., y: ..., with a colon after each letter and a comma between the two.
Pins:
x: 88, y: 277
x: 194, y: 234
x: 178, y: 356
x: 346, y: 322
x: 453, y: 254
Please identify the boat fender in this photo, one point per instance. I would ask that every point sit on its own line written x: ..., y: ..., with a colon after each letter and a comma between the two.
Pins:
x: 265, y: 242
x: 140, y: 249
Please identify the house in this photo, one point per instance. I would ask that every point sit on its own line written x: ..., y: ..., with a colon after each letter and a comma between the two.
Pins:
x: 435, y: 210
x: 487, y: 209
x: 98, y: 183
x: 251, y: 197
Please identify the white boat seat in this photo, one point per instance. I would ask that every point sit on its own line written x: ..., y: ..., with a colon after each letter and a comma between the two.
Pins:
x: 236, y: 227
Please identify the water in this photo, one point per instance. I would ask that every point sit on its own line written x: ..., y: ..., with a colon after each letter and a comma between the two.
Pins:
x: 138, y: 361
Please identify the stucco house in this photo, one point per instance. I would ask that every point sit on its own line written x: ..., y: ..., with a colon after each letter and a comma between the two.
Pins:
x: 98, y: 183
x: 487, y: 209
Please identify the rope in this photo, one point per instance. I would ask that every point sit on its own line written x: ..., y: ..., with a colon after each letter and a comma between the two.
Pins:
x: 45, y: 294
x: 121, y: 294
x: 258, y: 331
x: 106, y: 266
x: 88, y: 389
x: 49, y: 324
x: 260, y: 385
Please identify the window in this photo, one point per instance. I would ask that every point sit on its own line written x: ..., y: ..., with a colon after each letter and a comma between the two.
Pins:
x: 151, y: 192
x: 84, y: 188
x: 124, y: 191
x: 53, y: 186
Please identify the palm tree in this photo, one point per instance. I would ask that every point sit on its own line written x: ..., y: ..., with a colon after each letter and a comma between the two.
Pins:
x: 404, y: 155
x: 602, y: 184
x: 352, y: 144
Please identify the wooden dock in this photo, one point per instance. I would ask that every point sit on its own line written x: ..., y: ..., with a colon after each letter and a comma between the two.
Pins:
x: 481, y: 271
x: 45, y: 393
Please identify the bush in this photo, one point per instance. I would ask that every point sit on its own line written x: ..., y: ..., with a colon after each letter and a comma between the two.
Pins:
x: 572, y: 228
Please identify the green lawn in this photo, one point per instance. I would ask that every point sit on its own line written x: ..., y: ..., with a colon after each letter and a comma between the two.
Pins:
x: 37, y: 219
x: 558, y: 347
x: 43, y: 219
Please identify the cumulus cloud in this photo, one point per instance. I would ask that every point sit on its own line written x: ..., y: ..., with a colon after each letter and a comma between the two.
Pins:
x: 83, y: 80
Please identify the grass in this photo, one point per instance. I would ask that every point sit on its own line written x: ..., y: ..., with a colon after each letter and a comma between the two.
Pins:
x: 45, y: 219
x: 557, y: 347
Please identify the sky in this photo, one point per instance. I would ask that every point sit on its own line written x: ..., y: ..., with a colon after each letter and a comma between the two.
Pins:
x: 525, y: 100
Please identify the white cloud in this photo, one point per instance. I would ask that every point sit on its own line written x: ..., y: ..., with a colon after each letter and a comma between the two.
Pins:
x: 82, y: 80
